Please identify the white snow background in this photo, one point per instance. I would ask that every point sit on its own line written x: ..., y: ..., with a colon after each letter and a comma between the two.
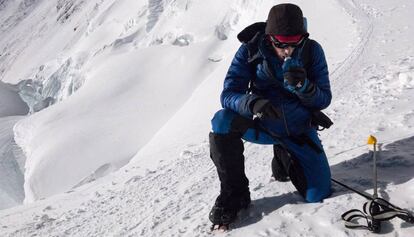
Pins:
x: 105, y: 110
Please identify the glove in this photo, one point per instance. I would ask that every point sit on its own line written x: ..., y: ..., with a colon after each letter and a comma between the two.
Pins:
x: 294, y: 76
x: 264, y: 109
x: 290, y: 63
x: 295, y: 80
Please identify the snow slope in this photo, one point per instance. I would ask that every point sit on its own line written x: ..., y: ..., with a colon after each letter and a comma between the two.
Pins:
x: 125, y: 61
x: 11, y: 182
x: 168, y: 187
x: 134, y: 64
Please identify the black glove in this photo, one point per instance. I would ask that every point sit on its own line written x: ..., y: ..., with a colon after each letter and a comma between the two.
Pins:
x: 264, y: 109
x: 295, y: 79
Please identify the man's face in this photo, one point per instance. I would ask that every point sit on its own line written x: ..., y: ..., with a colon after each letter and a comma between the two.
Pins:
x: 284, y: 45
x: 283, y: 53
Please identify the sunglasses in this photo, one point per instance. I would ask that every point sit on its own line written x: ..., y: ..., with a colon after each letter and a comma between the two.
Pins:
x: 283, y: 45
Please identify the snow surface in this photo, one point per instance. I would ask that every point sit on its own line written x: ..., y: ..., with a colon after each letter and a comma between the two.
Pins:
x: 11, y: 173
x: 136, y: 83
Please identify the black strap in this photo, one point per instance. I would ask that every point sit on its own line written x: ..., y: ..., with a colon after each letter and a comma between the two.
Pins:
x: 350, y: 219
x: 299, y: 140
x: 306, y: 54
x: 257, y: 129
x: 387, y: 211
x: 311, y: 143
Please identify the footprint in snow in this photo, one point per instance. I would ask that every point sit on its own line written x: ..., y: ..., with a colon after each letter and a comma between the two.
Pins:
x: 258, y: 187
x: 186, y: 154
x: 183, y: 40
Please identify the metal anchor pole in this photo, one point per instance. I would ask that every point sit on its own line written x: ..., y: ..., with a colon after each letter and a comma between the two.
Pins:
x: 376, y: 224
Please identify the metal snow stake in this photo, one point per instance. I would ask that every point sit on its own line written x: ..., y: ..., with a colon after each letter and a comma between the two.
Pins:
x: 372, y: 144
x: 376, y: 209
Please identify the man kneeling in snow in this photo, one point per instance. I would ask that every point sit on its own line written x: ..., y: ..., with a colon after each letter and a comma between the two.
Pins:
x: 279, y: 77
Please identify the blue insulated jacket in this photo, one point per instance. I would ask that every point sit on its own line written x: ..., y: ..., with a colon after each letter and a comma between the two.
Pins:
x: 267, y: 78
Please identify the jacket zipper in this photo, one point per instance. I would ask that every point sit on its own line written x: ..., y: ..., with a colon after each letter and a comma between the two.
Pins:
x: 270, y: 73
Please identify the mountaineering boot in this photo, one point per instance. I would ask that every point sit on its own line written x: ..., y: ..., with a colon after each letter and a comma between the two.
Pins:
x: 225, y: 208
x: 287, y: 167
x: 226, y: 151
x: 279, y: 171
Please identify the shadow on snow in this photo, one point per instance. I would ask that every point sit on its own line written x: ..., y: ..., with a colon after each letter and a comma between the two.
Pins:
x: 395, y: 165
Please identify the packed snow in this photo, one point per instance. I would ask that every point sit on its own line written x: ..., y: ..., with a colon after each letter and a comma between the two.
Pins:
x: 106, y: 107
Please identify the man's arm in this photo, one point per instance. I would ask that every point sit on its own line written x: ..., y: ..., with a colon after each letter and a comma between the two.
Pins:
x: 319, y: 97
x: 236, y: 84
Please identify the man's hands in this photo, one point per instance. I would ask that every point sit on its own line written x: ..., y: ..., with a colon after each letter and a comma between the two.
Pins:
x: 294, y: 76
x: 264, y: 109
x: 295, y: 79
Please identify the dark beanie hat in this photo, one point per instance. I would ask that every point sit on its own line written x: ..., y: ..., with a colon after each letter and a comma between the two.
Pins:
x: 285, y: 19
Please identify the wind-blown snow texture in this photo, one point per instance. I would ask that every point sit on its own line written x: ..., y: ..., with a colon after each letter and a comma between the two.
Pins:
x: 137, y: 82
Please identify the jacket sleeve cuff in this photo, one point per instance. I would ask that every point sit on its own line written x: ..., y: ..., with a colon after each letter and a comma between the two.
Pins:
x: 247, y: 104
x: 308, y: 93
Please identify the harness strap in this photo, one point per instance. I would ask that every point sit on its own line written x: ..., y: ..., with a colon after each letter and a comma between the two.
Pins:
x: 257, y: 129
x: 299, y: 140
x: 387, y: 212
x: 311, y: 143
x: 351, y: 217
